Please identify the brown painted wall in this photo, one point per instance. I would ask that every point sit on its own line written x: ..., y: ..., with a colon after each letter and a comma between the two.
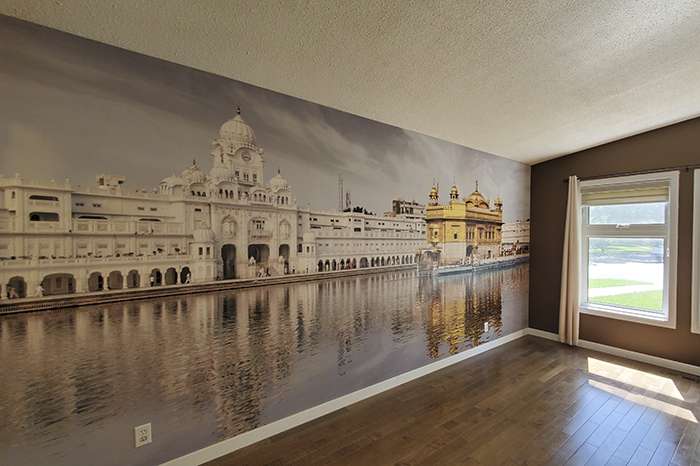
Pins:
x: 666, y: 147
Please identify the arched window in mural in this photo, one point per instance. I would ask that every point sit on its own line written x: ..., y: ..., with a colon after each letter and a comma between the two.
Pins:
x: 170, y: 276
x: 228, y: 227
x: 16, y: 288
x: 115, y: 280
x: 95, y: 282
x: 185, y: 275
x: 156, y: 278
x: 133, y: 279
x: 58, y: 283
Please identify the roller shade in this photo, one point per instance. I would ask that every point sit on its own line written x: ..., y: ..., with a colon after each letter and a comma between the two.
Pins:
x: 626, y: 193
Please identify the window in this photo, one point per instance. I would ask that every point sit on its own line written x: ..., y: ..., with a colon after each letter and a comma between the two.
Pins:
x: 629, y: 248
x: 80, y: 204
x: 140, y: 208
x: 97, y: 205
x: 44, y: 198
x: 43, y: 217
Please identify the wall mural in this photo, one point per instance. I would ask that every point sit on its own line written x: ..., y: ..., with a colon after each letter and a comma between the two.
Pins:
x: 122, y: 172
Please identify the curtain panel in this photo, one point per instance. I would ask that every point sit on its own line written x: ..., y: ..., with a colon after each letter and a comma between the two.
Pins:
x: 571, y: 262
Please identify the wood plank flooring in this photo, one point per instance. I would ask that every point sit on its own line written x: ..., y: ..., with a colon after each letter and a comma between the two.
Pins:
x: 528, y: 402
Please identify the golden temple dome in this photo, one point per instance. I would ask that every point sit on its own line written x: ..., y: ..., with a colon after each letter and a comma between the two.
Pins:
x: 476, y: 199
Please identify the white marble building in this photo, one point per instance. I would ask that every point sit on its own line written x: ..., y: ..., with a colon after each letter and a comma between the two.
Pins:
x: 341, y: 240
x: 515, y: 237
x: 194, y: 227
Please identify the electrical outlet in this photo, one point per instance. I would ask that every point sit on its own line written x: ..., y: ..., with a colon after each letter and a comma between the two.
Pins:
x: 486, y: 326
x: 142, y: 435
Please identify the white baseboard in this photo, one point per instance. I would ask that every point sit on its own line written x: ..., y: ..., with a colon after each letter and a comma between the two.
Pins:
x: 646, y: 358
x: 541, y: 334
x: 248, y: 438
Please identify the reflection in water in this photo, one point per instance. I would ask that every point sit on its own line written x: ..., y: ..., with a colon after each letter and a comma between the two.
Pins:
x: 203, y: 368
x: 455, y: 319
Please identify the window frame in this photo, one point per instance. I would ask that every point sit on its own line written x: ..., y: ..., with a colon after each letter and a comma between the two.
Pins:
x: 695, y: 274
x: 668, y: 231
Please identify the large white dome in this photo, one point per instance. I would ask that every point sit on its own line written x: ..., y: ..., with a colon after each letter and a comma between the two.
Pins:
x: 237, y: 130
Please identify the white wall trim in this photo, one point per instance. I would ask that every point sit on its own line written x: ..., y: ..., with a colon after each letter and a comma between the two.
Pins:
x: 695, y: 289
x: 248, y: 438
x: 633, y: 355
x: 542, y: 334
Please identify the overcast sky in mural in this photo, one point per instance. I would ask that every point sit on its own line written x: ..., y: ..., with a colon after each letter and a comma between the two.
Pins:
x: 71, y: 108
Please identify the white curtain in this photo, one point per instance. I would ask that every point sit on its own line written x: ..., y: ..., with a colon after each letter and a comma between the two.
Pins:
x: 568, y: 304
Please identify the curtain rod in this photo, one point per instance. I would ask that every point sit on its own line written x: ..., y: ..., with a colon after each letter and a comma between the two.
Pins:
x: 638, y: 172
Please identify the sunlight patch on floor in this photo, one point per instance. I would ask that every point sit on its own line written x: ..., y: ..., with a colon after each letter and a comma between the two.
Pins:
x: 652, y: 388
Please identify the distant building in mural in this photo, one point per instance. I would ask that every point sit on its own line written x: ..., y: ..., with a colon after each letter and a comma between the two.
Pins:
x: 406, y: 209
x: 515, y: 237
x: 464, y: 230
x: 193, y: 228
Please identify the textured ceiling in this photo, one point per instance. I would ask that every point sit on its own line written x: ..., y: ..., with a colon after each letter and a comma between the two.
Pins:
x: 529, y: 80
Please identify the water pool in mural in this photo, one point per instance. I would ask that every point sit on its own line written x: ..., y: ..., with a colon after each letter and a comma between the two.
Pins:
x: 99, y: 192
x: 204, y: 368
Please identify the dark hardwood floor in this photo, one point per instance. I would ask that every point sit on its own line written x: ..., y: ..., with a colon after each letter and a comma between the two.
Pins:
x: 528, y: 402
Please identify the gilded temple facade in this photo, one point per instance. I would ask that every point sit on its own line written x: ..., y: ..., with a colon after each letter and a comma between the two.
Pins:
x: 465, y: 230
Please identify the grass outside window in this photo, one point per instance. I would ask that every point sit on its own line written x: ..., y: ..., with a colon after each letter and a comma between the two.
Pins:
x: 652, y: 300
x: 608, y: 282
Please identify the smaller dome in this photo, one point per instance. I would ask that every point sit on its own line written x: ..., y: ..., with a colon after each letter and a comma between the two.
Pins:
x: 220, y: 172
x: 193, y: 174
x: 204, y: 234
x: 453, y: 192
x: 172, y: 181
x: 433, y: 192
x: 278, y: 182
